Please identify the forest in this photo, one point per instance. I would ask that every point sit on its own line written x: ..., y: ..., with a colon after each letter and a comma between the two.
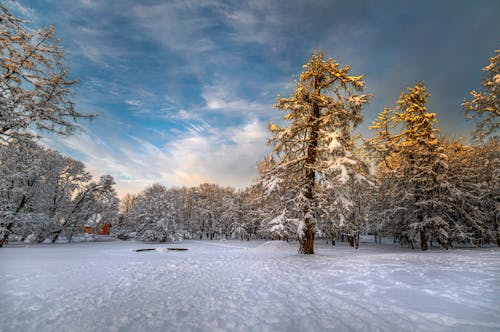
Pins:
x: 322, y: 180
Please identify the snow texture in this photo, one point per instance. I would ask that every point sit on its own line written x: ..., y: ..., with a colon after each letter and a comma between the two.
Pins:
x: 246, y: 286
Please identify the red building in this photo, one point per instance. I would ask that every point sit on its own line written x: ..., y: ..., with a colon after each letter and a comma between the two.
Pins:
x: 105, y: 229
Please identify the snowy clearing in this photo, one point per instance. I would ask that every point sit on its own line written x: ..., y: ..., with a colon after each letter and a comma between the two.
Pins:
x: 246, y: 286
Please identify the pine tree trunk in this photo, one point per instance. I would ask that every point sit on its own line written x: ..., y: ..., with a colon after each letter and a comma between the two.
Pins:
x: 307, y: 238
x: 498, y: 233
x: 424, y: 239
x: 496, y: 218
x: 307, y: 241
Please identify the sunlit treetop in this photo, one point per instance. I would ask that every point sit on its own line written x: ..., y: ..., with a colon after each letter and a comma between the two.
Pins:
x: 484, y: 106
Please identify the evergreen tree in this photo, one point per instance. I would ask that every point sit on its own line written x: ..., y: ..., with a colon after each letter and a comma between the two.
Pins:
x: 415, y: 166
x: 315, y: 146
x: 484, y: 106
x: 468, y: 171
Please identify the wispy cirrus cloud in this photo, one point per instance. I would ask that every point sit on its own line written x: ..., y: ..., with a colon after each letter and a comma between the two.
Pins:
x: 220, y: 98
x: 201, y: 154
x: 25, y: 11
x: 178, y: 25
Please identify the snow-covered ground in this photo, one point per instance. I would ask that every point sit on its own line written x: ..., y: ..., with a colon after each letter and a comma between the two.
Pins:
x: 247, y: 286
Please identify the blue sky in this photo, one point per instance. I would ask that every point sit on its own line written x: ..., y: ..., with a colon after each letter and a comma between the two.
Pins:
x: 185, y: 88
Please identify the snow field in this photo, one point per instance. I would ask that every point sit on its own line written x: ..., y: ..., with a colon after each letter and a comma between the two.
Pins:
x: 247, y: 286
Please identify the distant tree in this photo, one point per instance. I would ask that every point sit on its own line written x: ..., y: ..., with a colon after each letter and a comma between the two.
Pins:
x: 208, y: 204
x: 35, y: 91
x: 471, y: 173
x: 255, y: 210
x: 280, y: 227
x: 92, y: 203
x: 315, y: 145
x: 359, y: 189
x: 127, y: 202
x: 124, y: 226
x: 385, y: 148
x: 103, y: 204
x: 492, y: 153
x: 154, y: 214
x: 484, y: 106
x: 232, y: 215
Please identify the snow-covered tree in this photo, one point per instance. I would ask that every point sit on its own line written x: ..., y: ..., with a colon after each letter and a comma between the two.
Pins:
x: 492, y: 152
x: 35, y: 91
x: 208, y: 215
x: 255, y: 210
x: 34, y: 227
x: 154, y: 214
x: 66, y: 177
x: 343, y: 210
x: 127, y: 202
x: 314, y: 147
x: 384, y: 148
x: 21, y: 176
x: 93, y: 202
x: 280, y: 227
x: 470, y: 172
x: 103, y: 204
x: 484, y: 106
x: 232, y: 215
x: 124, y: 226
x: 43, y: 193
x: 416, y: 171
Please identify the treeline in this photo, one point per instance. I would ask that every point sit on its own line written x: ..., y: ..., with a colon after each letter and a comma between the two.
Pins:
x: 466, y: 210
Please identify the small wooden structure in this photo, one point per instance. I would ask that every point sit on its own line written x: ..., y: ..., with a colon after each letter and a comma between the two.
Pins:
x: 105, y: 229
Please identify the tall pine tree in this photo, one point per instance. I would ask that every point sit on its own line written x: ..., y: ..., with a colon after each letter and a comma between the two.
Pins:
x: 314, y: 147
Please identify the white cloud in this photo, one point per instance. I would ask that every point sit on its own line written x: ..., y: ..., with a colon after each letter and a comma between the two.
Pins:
x: 224, y: 156
x: 25, y: 12
x: 93, y: 48
x: 89, y: 3
x: 220, y: 98
x: 202, y: 153
x: 179, y: 25
x: 133, y: 102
